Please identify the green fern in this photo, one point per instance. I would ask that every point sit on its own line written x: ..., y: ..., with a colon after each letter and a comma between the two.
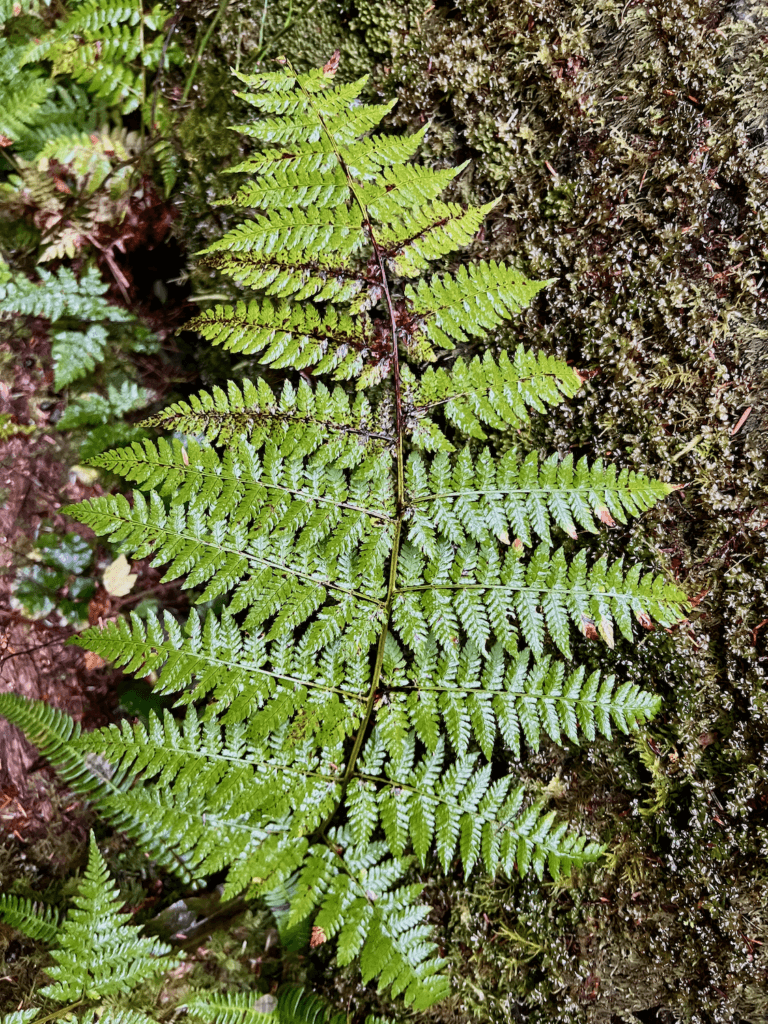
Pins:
x: 19, y: 1016
x: 97, y: 953
x: 395, y: 595
x: 293, y: 1006
x: 67, y: 301
x: 59, y: 294
x: 33, y: 919
x: 23, y: 91
x: 108, y: 47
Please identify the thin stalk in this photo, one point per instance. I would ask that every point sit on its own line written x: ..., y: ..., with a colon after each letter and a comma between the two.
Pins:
x: 223, y: 5
x: 59, y: 1013
x: 263, y: 23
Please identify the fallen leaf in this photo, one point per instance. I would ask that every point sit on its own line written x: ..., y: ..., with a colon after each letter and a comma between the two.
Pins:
x: 93, y: 661
x: 317, y: 938
x: 118, y: 578
x: 85, y: 475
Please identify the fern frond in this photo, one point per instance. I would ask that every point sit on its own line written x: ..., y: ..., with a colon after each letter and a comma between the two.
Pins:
x: 282, y: 568
x: 418, y: 237
x: 290, y: 335
x: 99, y: 953
x: 389, y: 614
x: 53, y: 733
x: 478, y: 590
x: 103, y: 44
x: 24, y: 92
x: 117, y: 1015
x: 33, y: 919
x: 213, y: 1007
x: 472, y: 302
x: 428, y: 801
x: 377, y: 920
x: 314, y: 417
x: 60, y: 294
x: 365, y: 159
x: 464, y: 695
x: 57, y: 737
x: 76, y: 353
x: 218, y: 658
x: 476, y: 496
x: 20, y: 1016
x: 497, y: 394
x: 342, y: 126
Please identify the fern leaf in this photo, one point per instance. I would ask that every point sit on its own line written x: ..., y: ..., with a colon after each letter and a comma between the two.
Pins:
x: 33, y: 919
x: 377, y: 920
x: 317, y: 417
x: 429, y: 233
x: 497, y: 394
x: 544, y: 592
x: 59, y: 294
x: 76, y: 353
x: 475, y: 496
x: 289, y: 335
x: 20, y: 1016
x: 99, y: 953
x: 471, y: 303
x: 57, y: 737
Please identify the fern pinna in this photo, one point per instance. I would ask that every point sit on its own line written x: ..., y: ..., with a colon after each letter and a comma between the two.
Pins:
x: 393, y: 584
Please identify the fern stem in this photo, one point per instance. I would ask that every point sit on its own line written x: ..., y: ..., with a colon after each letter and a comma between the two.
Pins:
x: 500, y: 492
x: 198, y: 56
x: 263, y: 23
x: 59, y: 1013
x: 399, y: 434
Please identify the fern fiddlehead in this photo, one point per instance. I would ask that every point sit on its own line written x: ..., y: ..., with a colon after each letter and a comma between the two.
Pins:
x: 396, y: 603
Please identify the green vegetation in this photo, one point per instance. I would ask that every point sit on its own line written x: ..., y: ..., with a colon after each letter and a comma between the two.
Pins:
x: 617, y: 153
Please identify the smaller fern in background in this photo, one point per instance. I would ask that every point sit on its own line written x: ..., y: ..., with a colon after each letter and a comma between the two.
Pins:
x: 100, y: 958
x: 80, y: 319
x: 109, y: 47
x: 61, y: 298
x: 98, y: 953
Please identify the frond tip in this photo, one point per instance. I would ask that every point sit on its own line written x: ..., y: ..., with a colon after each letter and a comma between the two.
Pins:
x: 99, y: 953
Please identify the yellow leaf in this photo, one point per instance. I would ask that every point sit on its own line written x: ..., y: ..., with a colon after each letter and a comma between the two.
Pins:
x: 118, y: 579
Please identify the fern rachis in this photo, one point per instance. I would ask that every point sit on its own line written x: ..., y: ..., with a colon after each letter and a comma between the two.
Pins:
x: 396, y: 602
